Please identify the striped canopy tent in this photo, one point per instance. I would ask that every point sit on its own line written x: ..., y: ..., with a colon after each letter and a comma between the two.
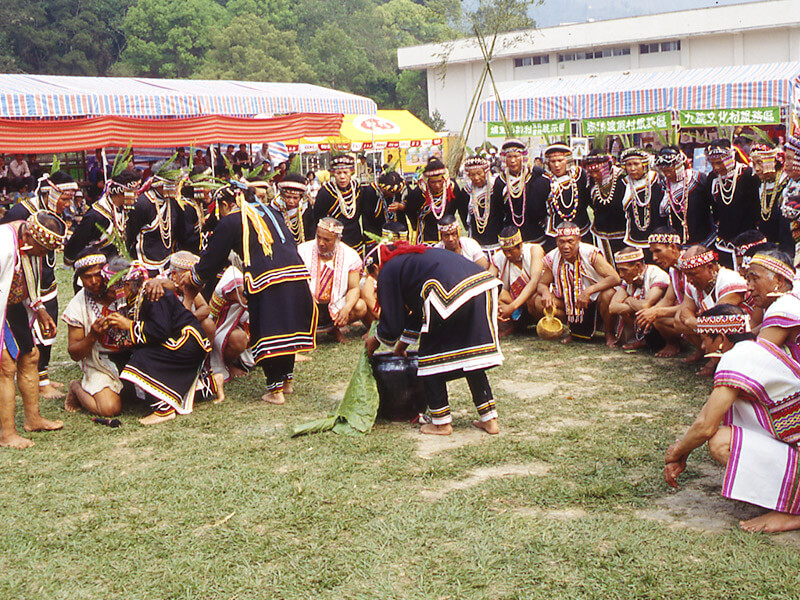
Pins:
x: 596, y: 96
x: 52, y: 96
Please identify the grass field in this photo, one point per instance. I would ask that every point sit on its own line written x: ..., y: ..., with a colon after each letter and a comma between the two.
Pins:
x: 568, y: 502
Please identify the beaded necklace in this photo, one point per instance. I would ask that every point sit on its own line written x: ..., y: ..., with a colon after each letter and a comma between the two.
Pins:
x: 597, y: 191
x: 295, y: 224
x: 679, y: 203
x: 643, y: 222
x: 346, y: 202
x: 727, y: 192
x: 437, y: 204
x: 480, y: 206
x: 768, y: 199
x: 557, y: 198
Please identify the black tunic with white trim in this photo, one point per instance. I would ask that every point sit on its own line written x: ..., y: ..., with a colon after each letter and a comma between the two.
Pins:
x: 283, y: 314
x: 169, y: 348
x: 327, y: 205
x: 528, y: 213
x: 425, y: 221
x: 448, y: 303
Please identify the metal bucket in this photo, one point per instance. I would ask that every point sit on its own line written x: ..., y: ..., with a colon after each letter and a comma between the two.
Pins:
x: 401, y: 394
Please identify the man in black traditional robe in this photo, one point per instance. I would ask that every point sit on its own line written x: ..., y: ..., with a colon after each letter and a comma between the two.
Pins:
x: 767, y: 165
x: 293, y: 205
x: 384, y: 203
x: 157, y: 226
x: 436, y: 196
x: 606, y: 191
x: 686, y: 203
x: 105, y: 219
x: 522, y: 192
x: 568, y: 195
x: 275, y: 283
x: 449, y: 304
x: 734, y: 190
x: 342, y: 199
x: 485, y: 210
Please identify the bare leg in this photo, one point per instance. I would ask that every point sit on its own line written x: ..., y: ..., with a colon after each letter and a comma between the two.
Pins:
x: 720, y: 445
x: 603, y: 304
x: 219, y: 380
x: 49, y: 391
x: 8, y: 430
x: 664, y: 326
x: 772, y: 522
x: 71, y: 403
x: 106, y: 403
x: 28, y: 383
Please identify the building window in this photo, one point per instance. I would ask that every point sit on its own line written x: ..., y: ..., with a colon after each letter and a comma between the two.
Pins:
x: 662, y: 47
x: 622, y: 51
x: 542, y: 59
x: 595, y: 54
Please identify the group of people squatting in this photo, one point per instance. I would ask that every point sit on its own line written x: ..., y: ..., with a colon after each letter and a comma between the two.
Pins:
x: 180, y: 285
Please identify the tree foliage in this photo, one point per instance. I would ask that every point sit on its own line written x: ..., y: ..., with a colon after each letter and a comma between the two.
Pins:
x: 349, y: 45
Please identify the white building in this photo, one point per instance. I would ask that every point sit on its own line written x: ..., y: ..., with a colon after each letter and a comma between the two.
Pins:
x: 742, y: 34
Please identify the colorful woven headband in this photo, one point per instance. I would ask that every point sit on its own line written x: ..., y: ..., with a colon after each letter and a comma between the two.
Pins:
x: 448, y: 228
x: 391, y: 188
x: 183, y: 260
x: 89, y: 260
x: 628, y: 257
x: 434, y: 173
x: 561, y: 148
x: 793, y: 144
x: 476, y: 162
x: 136, y: 272
x: 293, y: 185
x: 774, y: 265
x: 663, y: 238
x: 718, y: 152
x: 723, y: 324
x: 513, y: 147
x: 595, y: 159
x: 43, y: 236
x: 762, y: 151
x: 687, y: 264
x: 670, y: 159
x: 630, y: 153
x: 342, y: 162
x: 114, y: 187
x: 510, y: 242
x: 568, y: 231
x: 740, y: 250
x: 55, y: 191
x: 393, y: 236
x: 331, y: 226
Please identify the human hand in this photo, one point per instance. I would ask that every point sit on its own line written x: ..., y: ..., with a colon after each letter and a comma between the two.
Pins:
x: 646, y: 317
x: 117, y: 321
x: 46, y: 323
x: 583, y: 299
x: 153, y: 290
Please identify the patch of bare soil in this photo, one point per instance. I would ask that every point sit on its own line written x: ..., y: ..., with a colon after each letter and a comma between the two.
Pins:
x: 699, y: 505
x: 478, y: 476
x: 428, y: 446
x: 570, y: 513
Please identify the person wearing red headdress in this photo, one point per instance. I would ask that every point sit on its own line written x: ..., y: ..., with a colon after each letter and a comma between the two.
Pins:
x: 449, y: 305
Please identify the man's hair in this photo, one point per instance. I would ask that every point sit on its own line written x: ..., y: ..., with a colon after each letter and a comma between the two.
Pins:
x: 60, y: 177
x: 52, y: 222
x: 695, y: 250
x: 447, y: 220
x: 719, y: 310
x: 566, y: 225
x: 117, y: 264
x: 82, y: 254
x: 508, y: 231
x: 773, y: 251
x: 390, y: 178
x: 127, y: 177
x: 395, y: 226
x: 665, y: 230
x: 748, y: 237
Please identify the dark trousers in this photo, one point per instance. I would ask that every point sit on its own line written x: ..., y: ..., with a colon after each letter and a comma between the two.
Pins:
x: 436, y: 393
x: 277, y: 370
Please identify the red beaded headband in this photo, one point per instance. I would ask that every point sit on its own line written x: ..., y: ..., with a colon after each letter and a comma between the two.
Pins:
x: 687, y: 264
x: 723, y: 324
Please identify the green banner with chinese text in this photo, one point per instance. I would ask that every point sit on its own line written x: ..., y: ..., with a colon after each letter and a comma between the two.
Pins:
x: 627, y: 124
x: 558, y: 128
x: 770, y: 115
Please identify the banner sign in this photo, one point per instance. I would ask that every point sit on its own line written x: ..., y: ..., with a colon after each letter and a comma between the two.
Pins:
x: 627, y: 124
x: 558, y: 128
x: 770, y: 115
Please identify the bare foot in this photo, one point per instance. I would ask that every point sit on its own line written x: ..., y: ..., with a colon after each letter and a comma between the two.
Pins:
x: 611, y: 341
x: 219, y: 383
x: 708, y: 369
x: 772, y: 522
x: 668, y: 351
x: 236, y: 371
x: 71, y: 403
x: 288, y: 388
x: 15, y: 441
x: 301, y: 358
x: 635, y: 345
x: 337, y: 335
x: 42, y: 424
x: 567, y: 339
x: 48, y: 391
x: 431, y: 429
x: 274, y: 398
x: 155, y: 419
x: 57, y: 384
x: 489, y: 426
x: 698, y: 355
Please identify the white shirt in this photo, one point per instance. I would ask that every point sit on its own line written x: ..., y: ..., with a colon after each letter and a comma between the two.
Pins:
x: 470, y: 249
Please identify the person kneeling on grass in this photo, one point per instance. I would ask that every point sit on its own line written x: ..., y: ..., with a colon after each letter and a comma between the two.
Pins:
x: 582, y: 283
x: 642, y: 287
x: 101, y: 350
x: 450, y: 304
x: 519, y: 266
x: 169, y: 348
x: 749, y: 421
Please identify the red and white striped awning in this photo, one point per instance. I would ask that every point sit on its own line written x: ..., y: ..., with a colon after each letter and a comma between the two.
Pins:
x: 594, y: 96
x: 67, y: 135
x: 55, y: 96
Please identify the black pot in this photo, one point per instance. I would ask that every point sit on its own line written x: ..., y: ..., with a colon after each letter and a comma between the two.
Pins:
x: 401, y: 394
